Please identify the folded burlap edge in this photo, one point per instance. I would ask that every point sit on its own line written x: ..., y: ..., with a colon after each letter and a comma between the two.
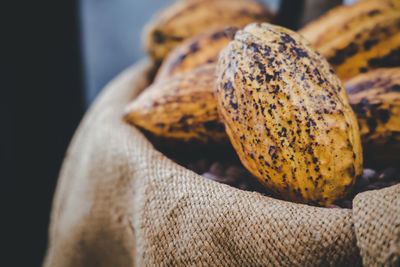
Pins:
x: 120, y: 202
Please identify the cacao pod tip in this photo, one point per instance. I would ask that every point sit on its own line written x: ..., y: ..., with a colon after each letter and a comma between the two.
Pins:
x: 126, y: 112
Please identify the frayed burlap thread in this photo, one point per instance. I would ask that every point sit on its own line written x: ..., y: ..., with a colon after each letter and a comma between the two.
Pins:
x: 120, y: 202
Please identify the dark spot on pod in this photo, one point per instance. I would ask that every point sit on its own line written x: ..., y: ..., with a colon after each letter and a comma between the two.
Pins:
x: 341, y: 54
x: 228, y: 86
x: 160, y: 125
x: 268, y: 78
x: 374, y: 12
x: 363, y: 69
x: 283, y: 132
x: 351, y: 170
x: 255, y: 47
x: 361, y: 107
x: 184, y: 128
x: 175, y: 38
x: 395, y: 88
x: 194, y: 47
x: 158, y: 37
x: 272, y: 150
x: 390, y: 60
x: 287, y: 39
x: 178, y: 61
x: 370, y: 43
x: 184, y: 118
x: 310, y: 149
x: 298, y: 52
x: 262, y: 110
x: 383, y: 115
x: 218, y: 35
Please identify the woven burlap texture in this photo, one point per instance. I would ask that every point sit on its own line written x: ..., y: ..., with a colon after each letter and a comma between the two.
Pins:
x: 377, y: 226
x: 119, y: 202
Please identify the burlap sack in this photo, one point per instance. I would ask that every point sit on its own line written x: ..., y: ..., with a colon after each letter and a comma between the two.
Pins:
x: 119, y: 202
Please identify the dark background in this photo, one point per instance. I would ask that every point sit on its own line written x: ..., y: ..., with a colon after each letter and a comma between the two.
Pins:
x: 41, y: 105
x: 56, y: 57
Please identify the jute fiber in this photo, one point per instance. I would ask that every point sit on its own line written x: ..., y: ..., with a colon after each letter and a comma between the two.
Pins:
x: 120, y: 202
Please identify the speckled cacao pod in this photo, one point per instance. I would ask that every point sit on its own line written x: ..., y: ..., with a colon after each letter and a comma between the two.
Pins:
x: 287, y: 115
x: 185, y: 19
x: 375, y: 98
x: 359, y: 37
x: 194, y: 52
x: 181, y: 107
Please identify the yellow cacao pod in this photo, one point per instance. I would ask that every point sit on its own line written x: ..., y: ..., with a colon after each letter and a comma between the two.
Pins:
x: 185, y: 19
x: 358, y: 38
x: 181, y: 107
x: 375, y: 98
x: 194, y: 52
x: 287, y: 115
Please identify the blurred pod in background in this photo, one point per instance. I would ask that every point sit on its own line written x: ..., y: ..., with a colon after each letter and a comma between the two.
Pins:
x: 111, y: 32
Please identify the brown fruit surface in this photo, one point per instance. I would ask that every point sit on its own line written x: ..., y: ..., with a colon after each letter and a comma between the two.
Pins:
x: 375, y: 98
x: 194, y: 52
x: 359, y: 37
x: 181, y: 107
x: 287, y: 115
x: 185, y: 19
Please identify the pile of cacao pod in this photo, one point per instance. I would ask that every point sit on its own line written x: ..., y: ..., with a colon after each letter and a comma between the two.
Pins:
x: 295, y: 115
